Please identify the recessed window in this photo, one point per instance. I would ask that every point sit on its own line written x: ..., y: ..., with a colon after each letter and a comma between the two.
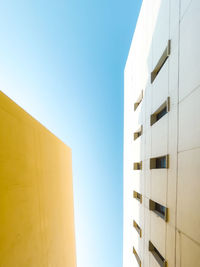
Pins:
x: 137, y: 196
x: 160, y: 112
x: 137, y: 165
x: 158, y: 257
x: 159, y: 209
x: 161, y: 62
x: 137, y: 257
x: 139, y: 100
x: 137, y: 133
x: 137, y: 228
x: 159, y: 162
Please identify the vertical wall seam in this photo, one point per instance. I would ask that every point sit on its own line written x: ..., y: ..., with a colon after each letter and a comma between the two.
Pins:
x: 176, y: 208
x: 169, y: 8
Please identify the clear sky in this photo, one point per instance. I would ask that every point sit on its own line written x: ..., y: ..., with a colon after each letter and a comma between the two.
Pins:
x: 63, y: 62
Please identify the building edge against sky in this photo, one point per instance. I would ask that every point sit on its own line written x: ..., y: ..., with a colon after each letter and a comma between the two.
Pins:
x: 36, y: 193
x: 162, y: 137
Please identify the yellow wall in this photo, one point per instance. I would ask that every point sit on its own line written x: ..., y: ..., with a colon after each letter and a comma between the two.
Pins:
x: 36, y: 195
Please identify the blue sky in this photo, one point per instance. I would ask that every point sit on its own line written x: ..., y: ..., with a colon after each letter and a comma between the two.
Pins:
x: 63, y: 62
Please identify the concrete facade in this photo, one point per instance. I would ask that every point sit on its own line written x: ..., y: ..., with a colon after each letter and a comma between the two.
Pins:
x: 36, y: 194
x: 162, y: 137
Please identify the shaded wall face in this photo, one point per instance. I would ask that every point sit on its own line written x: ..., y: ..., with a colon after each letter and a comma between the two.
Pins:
x: 36, y: 194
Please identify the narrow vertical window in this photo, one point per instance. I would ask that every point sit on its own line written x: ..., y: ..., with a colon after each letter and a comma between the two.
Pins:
x: 139, y: 100
x: 137, y: 257
x: 161, y: 62
x: 158, y: 257
x: 137, y: 165
x: 137, y: 228
x: 160, y: 210
x: 159, y: 162
x: 137, y: 133
x: 160, y: 112
x: 137, y: 196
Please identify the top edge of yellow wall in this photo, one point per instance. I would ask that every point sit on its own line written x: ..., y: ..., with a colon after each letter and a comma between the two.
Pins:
x: 14, y: 109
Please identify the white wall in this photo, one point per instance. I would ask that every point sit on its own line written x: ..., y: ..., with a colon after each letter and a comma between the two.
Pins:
x: 176, y: 134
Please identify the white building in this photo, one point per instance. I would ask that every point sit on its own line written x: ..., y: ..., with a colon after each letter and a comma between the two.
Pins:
x: 162, y: 137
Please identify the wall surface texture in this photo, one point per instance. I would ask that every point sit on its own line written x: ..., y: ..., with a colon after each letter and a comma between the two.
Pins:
x: 36, y: 194
x: 162, y: 137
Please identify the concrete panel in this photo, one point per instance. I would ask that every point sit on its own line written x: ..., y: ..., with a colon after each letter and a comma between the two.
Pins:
x: 146, y: 202
x: 138, y: 212
x: 160, y: 87
x: 189, y: 50
x: 188, y: 216
x: 189, y: 124
x: 146, y: 237
x: 173, y: 62
x: 137, y: 116
x: 36, y: 196
x: 171, y: 189
x: 160, y: 137
x: 148, y: 144
x: 170, y: 246
x: 159, y: 186
x: 148, y: 104
x: 138, y: 182
x: 147, y: 178
x: 137, y: 243
x: 187, y: 252
x: 137, y: 148
x: 174, y: 16
x: 161, y: 29
x: 184, y: 6
x: 130, y: 210
x: 158, y: 233
x: 149, y: 29
x: 172, y: 171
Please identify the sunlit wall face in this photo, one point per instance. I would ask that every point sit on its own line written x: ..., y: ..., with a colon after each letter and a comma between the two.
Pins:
x: 161, y: 165
x: 36, y: 193
x: 145, y: 47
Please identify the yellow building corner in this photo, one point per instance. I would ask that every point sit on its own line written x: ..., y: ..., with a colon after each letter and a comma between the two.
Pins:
x: 36, y: 193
